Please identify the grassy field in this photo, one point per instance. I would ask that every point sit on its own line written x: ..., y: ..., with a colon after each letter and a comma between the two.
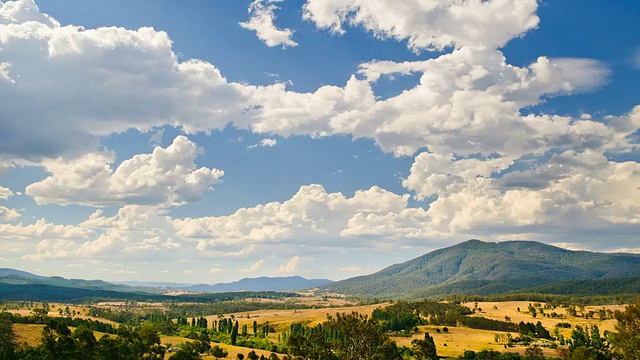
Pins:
x: 451, y: 343
x: 281, y: 319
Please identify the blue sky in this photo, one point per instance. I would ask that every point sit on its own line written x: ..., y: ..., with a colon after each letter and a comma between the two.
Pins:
x: 207, y: 141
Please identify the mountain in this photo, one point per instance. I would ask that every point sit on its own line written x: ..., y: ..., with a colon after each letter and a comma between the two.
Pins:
x: 26, y: 280
x: 4, y: 273
x: 156, y: 284
x: 18, y: 277
x: 485, y: 268
x: 261, y: 284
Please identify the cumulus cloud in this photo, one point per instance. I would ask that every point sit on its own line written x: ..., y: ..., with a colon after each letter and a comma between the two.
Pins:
x: 291, y: 265
x: 42, y: 229
x: 482, y: 165
x: 262, y: 15
x: 105, y: 80
x: 216, y: 269
x: 468, y: 101
x: 68, y: 85
x: 310, y: 216
x: 5, y: 193
x: 312, y: 219
x: 7, y: 214
x: 134, y: 232
x: 257, y: 265
x: 165, y: 177
x: 431, y: 25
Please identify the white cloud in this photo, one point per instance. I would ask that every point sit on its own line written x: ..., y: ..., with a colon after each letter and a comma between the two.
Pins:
x: 313, y: 217
x: 467, y: 102
x: 216, y: 270
x: 469, y: 99
x: 574, y: 190
x: 265, y: 143
x: 257, y: 265
x: 7, y: 214
x: 5, y: 193
x: 73, y: 85
x: 133, y: 231
x: 292, y: 265
x: 429, y: 24
x: 165, y: 177
x: 42, y: 229
x: 350, y: 269
x: 261, y: 21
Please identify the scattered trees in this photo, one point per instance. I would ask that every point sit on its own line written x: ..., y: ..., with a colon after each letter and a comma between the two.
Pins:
x: 626, y: 342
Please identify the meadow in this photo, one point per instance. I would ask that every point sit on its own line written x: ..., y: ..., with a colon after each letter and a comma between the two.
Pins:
x: 451, y: 343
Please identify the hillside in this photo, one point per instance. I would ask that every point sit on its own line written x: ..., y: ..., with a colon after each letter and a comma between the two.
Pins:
x: 484, y: 268
x: 18, y: 277
x: 261, y: 284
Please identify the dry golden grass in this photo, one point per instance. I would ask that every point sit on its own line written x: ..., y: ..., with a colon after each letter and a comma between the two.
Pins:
x: 28, y: 333
x: 280, y: 320
x: 232, y: 350
x: 453, y: 343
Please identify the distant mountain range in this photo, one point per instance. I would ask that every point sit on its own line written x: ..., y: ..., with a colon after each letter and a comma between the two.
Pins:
x: 484, y: 268
x: 469, y: 268
x: 261, y: 284
x: 17, y: 277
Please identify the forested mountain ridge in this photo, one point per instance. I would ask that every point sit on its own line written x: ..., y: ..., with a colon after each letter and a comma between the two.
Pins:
x: 18, y: 277
x: 261, y: 284
x: 476, y: 267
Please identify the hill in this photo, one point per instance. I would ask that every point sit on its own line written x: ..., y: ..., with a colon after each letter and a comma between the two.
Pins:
x: 18, y: 277
x: 261, y: 284
x: 484, y: 268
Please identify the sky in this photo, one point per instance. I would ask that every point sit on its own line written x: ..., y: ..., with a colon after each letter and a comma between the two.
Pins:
x: 208, y: 141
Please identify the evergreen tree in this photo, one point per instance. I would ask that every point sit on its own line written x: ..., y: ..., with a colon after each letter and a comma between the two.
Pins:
x: 234, y: 334
x: 424, y: 349
x: 7, y: 338
x: 627, y: 341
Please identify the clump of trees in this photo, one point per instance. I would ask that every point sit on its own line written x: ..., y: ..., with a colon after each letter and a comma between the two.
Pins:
x: 343, y: 337
x: 59, y: 342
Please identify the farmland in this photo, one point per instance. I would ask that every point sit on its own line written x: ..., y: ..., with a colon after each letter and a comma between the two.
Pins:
x: 450, y: 341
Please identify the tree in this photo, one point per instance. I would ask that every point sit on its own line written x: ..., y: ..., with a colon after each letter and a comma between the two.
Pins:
x: 7, y: 337
x: 86, y: 342
x: 533, y: 353
x: 424, y: 349
x: 218, y: 352
x: 234, y: 334
x: 626, y: 342
x: 359, y: 338
x: 40, y: 315
x: 252, y: 355
x: 189, y: 351
x: 589, y: 344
